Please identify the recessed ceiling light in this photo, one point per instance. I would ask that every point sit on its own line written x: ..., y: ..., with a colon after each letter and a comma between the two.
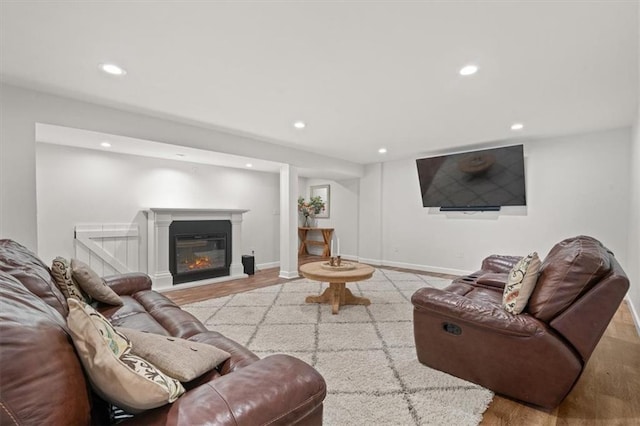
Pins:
x: 299, y: 124
x: 105, y: 144
x: 517, y: 126
x: 249, y: 165
x: 382, y: 150
x: 112, y: 69
x: 468, y: 70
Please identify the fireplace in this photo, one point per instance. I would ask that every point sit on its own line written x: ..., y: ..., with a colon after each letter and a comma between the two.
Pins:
x: 199, y: 249
x: 160, y: 219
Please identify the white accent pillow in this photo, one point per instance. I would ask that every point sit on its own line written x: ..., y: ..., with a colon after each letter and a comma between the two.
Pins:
x: 117, y: 375
x: 520, y: 283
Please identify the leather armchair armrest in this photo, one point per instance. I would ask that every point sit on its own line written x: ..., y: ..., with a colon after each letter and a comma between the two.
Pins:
x: 466, y: 312
x: 499, y: 263
x: 276, y: 390
x: 128, y: 284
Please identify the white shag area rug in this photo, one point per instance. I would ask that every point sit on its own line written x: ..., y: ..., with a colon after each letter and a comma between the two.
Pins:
x: 365, y: 353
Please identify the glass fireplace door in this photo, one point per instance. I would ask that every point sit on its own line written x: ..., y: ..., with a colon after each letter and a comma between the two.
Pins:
x: 196, y: 253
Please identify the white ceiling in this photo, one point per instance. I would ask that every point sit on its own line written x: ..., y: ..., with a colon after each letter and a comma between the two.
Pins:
x: 362, y: 75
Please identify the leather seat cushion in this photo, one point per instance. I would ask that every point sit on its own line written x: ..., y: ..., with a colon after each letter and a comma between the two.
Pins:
x: 153, y: 312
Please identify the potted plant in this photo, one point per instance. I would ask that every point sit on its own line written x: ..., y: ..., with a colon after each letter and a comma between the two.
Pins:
x: 309, y: 209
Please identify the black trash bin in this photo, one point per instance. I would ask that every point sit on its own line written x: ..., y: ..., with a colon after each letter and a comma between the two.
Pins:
x: 249, y: 263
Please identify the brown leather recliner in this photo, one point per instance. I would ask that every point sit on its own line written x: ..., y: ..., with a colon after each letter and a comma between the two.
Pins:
x: 42, y: 379
x: 538, y: 355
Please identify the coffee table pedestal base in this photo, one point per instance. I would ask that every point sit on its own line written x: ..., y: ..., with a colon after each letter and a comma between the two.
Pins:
x: 336, y: 295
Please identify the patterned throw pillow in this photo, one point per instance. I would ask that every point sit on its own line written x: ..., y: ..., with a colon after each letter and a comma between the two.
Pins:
x: 92, y: 284
x: 520, y: 283
x: 180, y: 358
x: 117, y: 375
x: 61, y: 272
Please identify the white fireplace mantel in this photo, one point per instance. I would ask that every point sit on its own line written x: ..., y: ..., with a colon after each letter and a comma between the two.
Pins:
x: 158, y: 221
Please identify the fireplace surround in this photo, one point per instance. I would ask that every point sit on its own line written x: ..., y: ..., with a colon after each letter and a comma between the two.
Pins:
x: 159, y: 222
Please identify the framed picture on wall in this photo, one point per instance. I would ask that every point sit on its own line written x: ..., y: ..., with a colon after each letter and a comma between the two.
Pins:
x: 324, y: 192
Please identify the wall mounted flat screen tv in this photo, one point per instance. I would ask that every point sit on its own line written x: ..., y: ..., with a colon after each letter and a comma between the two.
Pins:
x: 477, y: 180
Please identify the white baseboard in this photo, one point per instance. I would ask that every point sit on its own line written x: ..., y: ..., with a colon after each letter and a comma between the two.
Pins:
x: 378, y: 262
x: 267, y: 265
x: 425, y: 268
x: 288, y: 275
x: 634, y: 313
x: 375, y: 262
x: 349, y: 257
x: 170, y: 286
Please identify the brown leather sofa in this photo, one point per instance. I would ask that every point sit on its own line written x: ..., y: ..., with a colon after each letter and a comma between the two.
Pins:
x: 538, y: 355
x: 42, y: 380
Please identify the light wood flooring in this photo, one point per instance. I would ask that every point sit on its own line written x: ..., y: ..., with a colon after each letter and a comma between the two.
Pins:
x: 608, y: 392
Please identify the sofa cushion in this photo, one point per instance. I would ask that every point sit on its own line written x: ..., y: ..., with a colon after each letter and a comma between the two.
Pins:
x: 132, y: 315
x: 153, y: 312
x: 179, y: 358
x: 19, y: 262
x: 499, y: 263
x: 120, y: 377
x: 570, y: 269
x: 92, y: 284
x: 42, y: 378
x: 240, y: 355
x: 520, y: 283
x: 61, y: 273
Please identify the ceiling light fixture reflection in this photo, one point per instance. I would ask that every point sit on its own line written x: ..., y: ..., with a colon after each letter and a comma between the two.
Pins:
x: 299, y: 124
x: 517, y: 126
x: 105, y: 144
x: 112, y: 69
x: 382, y: 150
x: 468, y: 70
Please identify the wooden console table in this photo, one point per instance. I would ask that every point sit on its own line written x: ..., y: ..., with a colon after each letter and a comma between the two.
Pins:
x: 327, y: 233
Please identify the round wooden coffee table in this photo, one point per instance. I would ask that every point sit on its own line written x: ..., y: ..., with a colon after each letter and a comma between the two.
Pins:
x: 337, y: 294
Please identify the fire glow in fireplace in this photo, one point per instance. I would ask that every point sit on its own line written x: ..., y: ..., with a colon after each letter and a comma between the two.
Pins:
x: 199, y: 250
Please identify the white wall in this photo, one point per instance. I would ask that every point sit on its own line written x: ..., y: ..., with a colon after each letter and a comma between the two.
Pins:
x: 633, y: 268
x: 633, y: 255
x: 21, y: 109
x: 86, y: 186
x: 576, y: 184
x: 17, y: 169
x: 343, y: 214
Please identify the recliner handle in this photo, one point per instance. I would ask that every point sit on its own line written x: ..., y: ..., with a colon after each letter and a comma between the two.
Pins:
x: 452, y: 328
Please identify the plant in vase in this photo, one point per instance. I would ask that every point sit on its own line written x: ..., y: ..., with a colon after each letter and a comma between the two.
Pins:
x: 309, y: 209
